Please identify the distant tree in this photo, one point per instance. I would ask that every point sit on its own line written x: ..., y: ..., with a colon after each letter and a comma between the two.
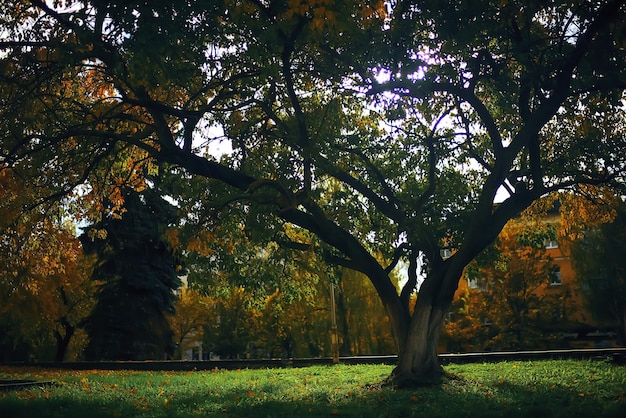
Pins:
x: 233, y: 326
x: 279, y: 327
x: 138, y: 271
x: 600, y: 262
x: 192, y: 314
x: 268, y: 282
x: 45, y: 292
x: 467, y: 328
x: 509, y: 308
x: 361, y: 317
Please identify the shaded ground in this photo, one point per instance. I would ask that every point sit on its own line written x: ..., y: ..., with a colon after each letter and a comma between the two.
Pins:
x: 519, y: 389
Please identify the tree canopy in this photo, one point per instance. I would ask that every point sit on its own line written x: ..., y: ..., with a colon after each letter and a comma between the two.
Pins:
x: 384, y: 129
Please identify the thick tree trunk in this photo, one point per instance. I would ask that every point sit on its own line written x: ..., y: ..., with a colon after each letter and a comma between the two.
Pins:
x: 418, y: 364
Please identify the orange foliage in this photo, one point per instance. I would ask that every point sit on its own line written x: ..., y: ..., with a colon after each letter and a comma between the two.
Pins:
x: 590, y: 207
x: 509, y: 304
x: 45, y: 278
x: 323, y: 14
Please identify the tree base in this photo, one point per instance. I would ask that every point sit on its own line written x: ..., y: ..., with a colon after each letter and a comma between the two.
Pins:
x: 408, y: 379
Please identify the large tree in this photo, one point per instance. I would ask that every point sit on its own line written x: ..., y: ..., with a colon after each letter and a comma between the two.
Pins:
x: 138, y: 273
x: 382, y: 128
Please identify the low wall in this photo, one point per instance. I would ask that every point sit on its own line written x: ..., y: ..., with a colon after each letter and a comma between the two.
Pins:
x: 618, y: 355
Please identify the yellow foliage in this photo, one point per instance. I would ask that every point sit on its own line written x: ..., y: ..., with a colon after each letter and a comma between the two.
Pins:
x: 47, y: 277
x: 171, y: 236
x: 320, y: 11
x: 373, y: 10
x: 200, y: 245
x: 590, y: 207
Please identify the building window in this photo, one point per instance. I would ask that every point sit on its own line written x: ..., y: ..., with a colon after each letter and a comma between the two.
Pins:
x: 551, y: 244
x: 555, y: 277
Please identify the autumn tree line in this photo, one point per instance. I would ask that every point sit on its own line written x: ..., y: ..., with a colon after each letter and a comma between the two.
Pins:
x: 143, y: 283
x: 113, y: 290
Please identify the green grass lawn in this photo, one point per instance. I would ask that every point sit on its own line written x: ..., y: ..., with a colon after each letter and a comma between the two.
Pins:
x: 534, y: 389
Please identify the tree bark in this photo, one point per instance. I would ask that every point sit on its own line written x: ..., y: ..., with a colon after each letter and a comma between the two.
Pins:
x: 345, y: 349
x: 621, y: 332
x: 418, y: 364
x: 63, y: 341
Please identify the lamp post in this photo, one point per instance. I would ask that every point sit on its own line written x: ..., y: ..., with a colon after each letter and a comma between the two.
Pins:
x: 334, y: 338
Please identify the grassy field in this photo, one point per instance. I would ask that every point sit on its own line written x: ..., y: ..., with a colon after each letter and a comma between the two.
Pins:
x: 534, y: 389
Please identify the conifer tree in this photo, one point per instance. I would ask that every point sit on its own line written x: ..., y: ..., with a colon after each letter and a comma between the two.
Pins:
x: 139, y: 273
